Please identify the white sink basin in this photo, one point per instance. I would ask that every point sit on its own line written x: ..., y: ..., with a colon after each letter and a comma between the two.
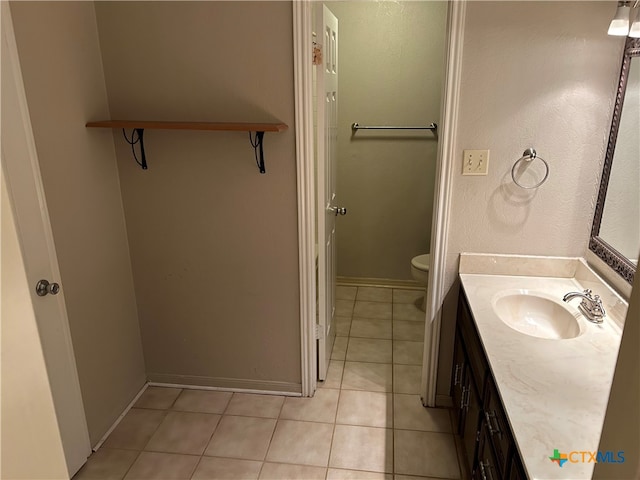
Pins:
x: 537, y: 314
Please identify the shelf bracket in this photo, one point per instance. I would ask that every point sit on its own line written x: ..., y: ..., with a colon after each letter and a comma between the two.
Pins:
x: 259, y: 152
x: 132, y: 141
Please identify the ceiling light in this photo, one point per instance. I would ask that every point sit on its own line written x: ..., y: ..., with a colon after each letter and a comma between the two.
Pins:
x: 620, y: 23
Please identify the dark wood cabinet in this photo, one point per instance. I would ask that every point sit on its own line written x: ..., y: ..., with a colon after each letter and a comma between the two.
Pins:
x: 489, y: 446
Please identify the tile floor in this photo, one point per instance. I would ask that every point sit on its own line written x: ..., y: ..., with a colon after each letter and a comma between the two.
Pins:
x: 364, y: 422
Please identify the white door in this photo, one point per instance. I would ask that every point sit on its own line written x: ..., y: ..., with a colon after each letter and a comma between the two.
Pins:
x: 20, y: 166
x: 327, y: 124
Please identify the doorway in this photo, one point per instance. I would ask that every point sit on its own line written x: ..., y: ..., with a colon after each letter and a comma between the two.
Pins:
x: 306, y: 193
x: 391, y: 68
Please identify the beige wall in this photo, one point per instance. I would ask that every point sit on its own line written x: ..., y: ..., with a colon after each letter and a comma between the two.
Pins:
x: 28, y: 414
x: 622, y: 421
x: 551, y: 87
x: 391, y: 70
x: 62, y: 71
x: 213, y: 242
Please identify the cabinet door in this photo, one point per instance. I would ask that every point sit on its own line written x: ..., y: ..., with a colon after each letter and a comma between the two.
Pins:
x: 457, y: 384
x: 516, y: 471
x: 497, y: 426
x: 485, y: 468
x: 472, y: 407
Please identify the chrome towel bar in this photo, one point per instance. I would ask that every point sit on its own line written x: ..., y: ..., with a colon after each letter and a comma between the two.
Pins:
x: 357, y: 126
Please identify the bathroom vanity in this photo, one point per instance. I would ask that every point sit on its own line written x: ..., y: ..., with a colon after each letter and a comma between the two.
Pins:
x: 531, y: 374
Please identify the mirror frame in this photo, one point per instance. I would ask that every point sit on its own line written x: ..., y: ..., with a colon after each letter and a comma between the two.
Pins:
x: 618, y: 262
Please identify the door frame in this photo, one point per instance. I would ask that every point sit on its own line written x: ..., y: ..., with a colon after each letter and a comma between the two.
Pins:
x: 28, y: 202
x: 305, y: 177
x: 303, y: 72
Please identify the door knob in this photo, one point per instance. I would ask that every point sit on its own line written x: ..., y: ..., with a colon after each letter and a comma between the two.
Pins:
x: 338, y: 210
x: 43, y: 288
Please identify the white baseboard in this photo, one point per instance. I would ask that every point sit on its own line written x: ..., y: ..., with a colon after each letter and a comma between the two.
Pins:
x: 225, y: 384
x: 379, y: 282
x: 119, y: 419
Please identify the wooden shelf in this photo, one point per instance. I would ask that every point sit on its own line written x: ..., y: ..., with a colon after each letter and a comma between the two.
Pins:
x: 139, y: 126
x: 211, y: 126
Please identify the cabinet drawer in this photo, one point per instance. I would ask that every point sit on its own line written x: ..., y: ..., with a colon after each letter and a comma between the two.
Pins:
x: 498, y: 430
x: 475, y: 352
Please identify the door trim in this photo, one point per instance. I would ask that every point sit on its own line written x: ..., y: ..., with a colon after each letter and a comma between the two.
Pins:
x: 303, y: 71
x: 442, y: 202
x: 305, y: 176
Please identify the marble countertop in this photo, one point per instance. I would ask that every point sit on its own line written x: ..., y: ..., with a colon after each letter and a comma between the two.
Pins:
x: 555, y: 392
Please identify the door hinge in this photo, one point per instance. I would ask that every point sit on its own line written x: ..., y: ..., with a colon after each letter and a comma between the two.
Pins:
x: 317, y: 54
x: 318, y: 332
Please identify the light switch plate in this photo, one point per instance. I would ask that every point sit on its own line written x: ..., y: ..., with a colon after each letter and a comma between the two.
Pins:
x: 475, y: 162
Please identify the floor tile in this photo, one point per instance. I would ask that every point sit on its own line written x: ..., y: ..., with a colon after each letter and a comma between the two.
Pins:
x: 334, y: 375
x: 165, y: 466
x: 407, y: 296
x: 362, y: 448
x: 374, y: 377
x: 241, y: 437
x: 407, y: 378
x: 406, y: 330
x: 405, y: 311
x: 428, y: 454
x: 409, y: 414
x: 281, y: 471
x: 373, y: 310
x: 339, y: 351
x: 374, y: 294
x: 344, y: 308
x: 343, y: 326
x: 407, y: 353
x: 371, y: 409
x: 183, y: 432
x: 346, y: 293
x: 319, y: 408
x: 341, y: 474
x: 302, y: 443
x: 367, y: 328
x: 160, y: 398
x: 211, y: 468
x: 252, y: 405
x: 369, y: 350
x: 202, y: 401
x: 135, y: 429
x: 107, y: 464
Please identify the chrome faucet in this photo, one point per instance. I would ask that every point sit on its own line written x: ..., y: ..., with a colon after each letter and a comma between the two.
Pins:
x: 590, y: 306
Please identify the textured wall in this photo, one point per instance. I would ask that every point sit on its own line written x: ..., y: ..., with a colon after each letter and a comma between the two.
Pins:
x: 551, y: 87
x: 213, y: 242
x: 63, y: 77
x: 391, y: 68
x: 620, y: 225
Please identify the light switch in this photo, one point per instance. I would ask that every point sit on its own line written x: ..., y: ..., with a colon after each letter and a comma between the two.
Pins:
x: 475, y: 162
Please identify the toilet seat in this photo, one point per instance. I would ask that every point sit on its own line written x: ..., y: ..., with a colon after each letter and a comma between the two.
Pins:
x: 421, y: 262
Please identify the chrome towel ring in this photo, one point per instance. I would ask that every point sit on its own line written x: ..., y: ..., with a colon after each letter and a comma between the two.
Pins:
x: 530, y: 155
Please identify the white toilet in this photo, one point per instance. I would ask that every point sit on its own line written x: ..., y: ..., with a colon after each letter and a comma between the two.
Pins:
x: 420, y: 272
